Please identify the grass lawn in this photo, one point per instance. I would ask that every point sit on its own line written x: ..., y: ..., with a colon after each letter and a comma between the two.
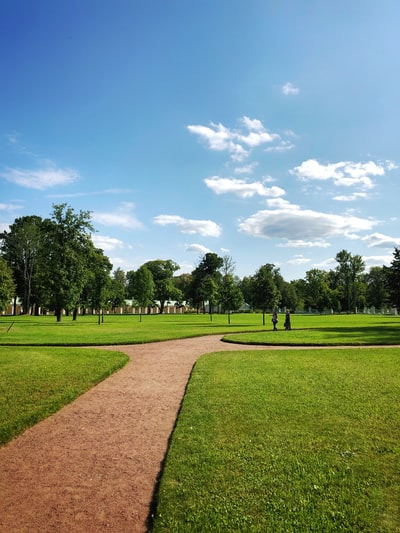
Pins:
x: 36, y: 382
x: 127, y: 329
x: 286, y: 441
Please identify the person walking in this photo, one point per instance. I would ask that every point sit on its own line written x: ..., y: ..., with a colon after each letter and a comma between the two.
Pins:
x: 287, y: 324
x: 275, y: 320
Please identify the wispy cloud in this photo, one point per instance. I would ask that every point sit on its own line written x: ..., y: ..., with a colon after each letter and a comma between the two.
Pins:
x: 9, y: 207
x: 206, y: 228
x: 381, y: 241
x: 92, y: 193
x: 123, y: 217
x: 242, y: 188
x: 289, y: 89
x: 40, y: 179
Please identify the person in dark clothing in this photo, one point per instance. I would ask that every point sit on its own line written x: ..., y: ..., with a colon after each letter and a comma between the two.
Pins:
x: 287, y: 324
x: 275, y: 320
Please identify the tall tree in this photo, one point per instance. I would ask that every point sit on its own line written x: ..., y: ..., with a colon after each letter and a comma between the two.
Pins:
x: 350, y: 270
x: 21, y: 247
x: 393, y: 279
x: 118, y: 288
x: 316, y: 289
x: 266, y: 295
x: 97, y: 288
x: 377, y: 294
x: 230, y: 295
x: 65, y: 258
x: 143, y: 288
x: 205, y: 280
x: 7, y: 286
x: 162, y: 271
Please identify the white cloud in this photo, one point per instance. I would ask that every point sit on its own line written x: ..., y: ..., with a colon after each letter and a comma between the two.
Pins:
x: 289, y: 89
x: 241, y: 187
x: 107, y: 243
x: 295, y: 224
x: 343, y: 173
x: 122, y: 217
x: 299, y: 260
x: 246, y: 169
x: 40, y: 179
x: 237, y: 142
x: 318, y: 243
x: 351, y: 197
x: 377, y: 260
x: 9, y: 207
x: 378, y: 240
x: 197, y: 248
x: 206, y: 228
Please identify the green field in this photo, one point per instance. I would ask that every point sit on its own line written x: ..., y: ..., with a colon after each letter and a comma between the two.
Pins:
x: 127, y: 329
x: 275, y: 441
x: 37, y: 381
x: 286, y: 441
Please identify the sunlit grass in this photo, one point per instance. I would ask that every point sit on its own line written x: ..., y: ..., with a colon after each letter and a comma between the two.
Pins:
x: 127, y: 329
x: 286, y: 441
x: 36, y: 382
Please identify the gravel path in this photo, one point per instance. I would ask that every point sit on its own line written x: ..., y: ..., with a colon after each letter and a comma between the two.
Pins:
x: 93, y: 466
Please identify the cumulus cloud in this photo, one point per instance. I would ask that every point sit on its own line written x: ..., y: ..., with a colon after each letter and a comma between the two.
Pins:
x: 289, y: 89
x: 237, y: 142
x: 206, y: 228
x: 197, y: 248
x: 343, y: 173
x: 40, y: 179
x: 296, y: 225
x: 107, y: 243
x: 123, y: 217
x: 242, y: 188
x: 378, y: 240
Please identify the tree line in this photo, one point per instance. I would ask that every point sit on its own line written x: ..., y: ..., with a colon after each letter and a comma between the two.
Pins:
x: 52, y: 264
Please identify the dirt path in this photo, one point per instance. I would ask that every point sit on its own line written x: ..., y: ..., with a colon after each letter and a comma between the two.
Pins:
x: 93, y: 466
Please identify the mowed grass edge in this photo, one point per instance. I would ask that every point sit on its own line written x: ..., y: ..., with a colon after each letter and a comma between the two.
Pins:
x: 286, y: 441
x: 35, y: 382
x: 244, y: 327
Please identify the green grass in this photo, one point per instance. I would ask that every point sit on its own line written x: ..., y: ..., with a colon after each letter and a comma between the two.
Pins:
x: 286, y: 441
x: 127, y: 329
x: 36, y: 382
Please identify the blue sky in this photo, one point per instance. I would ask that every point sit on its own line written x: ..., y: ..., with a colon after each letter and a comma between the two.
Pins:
x: 267, y: 131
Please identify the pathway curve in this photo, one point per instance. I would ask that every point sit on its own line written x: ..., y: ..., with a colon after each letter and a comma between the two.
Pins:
x: 93, y: 466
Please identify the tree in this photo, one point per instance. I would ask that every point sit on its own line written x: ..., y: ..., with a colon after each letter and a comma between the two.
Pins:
x: 349, y: 271
x: 162, y: 272
x: 118, y: 288
x: 205, y: 280
x: 21, y: 247
x: 265, y: 293
x: 230, y: 296
x: 65, y: 258
x: 393, y: 279
x: 377, y: 294
x: 7, y: 285
x: 98, y: 281
x: 316, y: 289
x: 142, y: 288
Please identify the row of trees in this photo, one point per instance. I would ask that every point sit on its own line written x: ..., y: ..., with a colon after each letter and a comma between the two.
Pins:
x: 53, y: 264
